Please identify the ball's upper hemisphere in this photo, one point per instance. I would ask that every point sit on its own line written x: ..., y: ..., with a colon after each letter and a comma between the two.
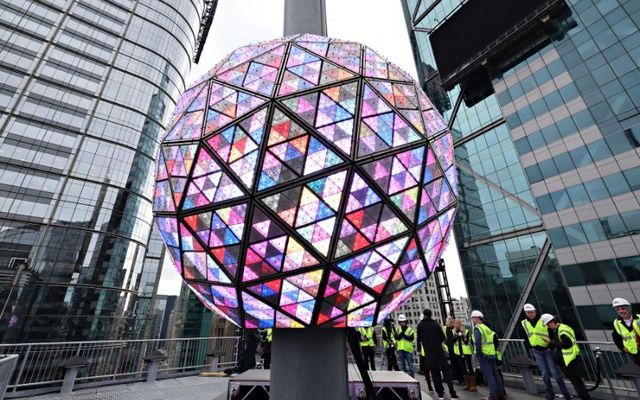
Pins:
x: 305, y: 181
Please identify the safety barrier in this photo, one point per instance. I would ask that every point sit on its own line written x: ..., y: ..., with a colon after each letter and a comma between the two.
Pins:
x: 7, y: 365
x: 40, y: 365
x: 608, y: 357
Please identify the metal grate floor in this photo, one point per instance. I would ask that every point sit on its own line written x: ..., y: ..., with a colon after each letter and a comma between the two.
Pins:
x: 191, y: 388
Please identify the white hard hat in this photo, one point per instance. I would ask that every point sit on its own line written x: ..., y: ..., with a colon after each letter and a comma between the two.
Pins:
x: 402, y: 318
x: 476, y: 313
x: 619, y: 301
x: 529, y: 307
x: 546, y: 318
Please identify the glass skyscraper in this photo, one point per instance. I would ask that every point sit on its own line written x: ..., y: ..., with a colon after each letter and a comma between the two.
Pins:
x: 549, y: 165
x: 86, y: 87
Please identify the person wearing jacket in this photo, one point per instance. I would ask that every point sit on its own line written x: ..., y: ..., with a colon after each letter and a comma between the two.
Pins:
x: 562, y: 339
x: 405, y: 336
x: 448, y: 331
x: 462, y: 354
x: 626, y: 329
x: 485, y: 344
x: 389, y: 344
x: 431, y: 337
x: 536, y: 340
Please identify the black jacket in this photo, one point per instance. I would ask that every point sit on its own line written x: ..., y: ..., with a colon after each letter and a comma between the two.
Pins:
x: 430, y: 336
x: 524, y: 334
x: 576, y: 369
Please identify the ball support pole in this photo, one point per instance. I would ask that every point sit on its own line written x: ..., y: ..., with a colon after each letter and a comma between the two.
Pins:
x: 309, y: 364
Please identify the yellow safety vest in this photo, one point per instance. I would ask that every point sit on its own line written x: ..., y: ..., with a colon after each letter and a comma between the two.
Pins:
x: 536, y: 334
x: 466, y: 347
x: 570, y: 354
x: 445, y: 348
x: 404, y: 344
x: 628, y: 338
x: 390, y: 341
x: 366, y: 337
x: 269, y: 335
x: 486, y: 334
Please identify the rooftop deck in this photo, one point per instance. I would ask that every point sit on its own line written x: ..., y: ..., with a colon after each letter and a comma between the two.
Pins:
x: 205, y: 388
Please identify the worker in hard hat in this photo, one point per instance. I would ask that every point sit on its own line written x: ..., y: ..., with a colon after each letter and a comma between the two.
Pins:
x: 405, y: 336
x: 626, y: 329
x: 389, y: 344
x: 537, y: 341
x: 485, y: 343
x: 562, y: 339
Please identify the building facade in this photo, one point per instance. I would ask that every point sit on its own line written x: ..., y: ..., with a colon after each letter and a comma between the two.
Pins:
x: 86, y: 87
x: 424, y: 298
x: 549, y: 164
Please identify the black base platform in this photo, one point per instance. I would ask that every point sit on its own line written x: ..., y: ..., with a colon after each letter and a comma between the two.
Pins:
x: 390, y: 385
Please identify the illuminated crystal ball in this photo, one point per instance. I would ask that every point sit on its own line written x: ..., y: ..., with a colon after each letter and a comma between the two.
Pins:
x: 305, y: 182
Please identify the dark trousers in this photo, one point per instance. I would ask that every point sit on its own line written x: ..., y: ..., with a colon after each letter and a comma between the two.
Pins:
x: 427, y: 377
x: 392, y: 362
x: 266, y: 360
x: 456, y: 368
x: 464, y: 364
x: 369, y: 356
x: 438, y: 375
x: 581, y: 389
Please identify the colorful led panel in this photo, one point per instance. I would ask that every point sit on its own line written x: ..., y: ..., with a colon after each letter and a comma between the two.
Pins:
x: 305, y: 182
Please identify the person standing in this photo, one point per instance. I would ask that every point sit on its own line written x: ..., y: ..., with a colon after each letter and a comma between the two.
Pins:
x: 267, y: 338
x: 389, y: 344
x: 562, y: 338
x: 368, y: 345
x: 537, y: 341
x: 250, y: 347
x: 405, y: 336
x: 626, y: 329
x: 485, y: 343
x: 462, y: 354
x: 431, y: 337
x: 449, y: 349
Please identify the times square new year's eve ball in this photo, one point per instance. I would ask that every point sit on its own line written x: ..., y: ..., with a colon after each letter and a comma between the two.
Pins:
x: 305, y: 181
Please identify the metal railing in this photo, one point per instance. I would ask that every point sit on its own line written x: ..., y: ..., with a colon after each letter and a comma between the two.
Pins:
x: 610, y: 358
x: 113, y: 361
x: 7, y: 365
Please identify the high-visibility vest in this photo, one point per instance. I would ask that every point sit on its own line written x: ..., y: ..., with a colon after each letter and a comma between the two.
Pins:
x: 486, y: 336
x: 390, y: 341
x: 269, y: 335
x: 570, y: 354
x: 404, y: 344
x: 628, y: 337
x: 445, y: 348
x: 536, y: 334
x: 366, y: 337
x: 466, y: 347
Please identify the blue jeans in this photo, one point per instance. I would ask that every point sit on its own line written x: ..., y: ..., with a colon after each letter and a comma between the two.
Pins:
x: 406, y: 362
x: 548, y: 369
x: 489, y: 368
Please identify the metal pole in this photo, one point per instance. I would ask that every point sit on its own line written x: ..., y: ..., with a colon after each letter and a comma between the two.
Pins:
x: 305, y: 16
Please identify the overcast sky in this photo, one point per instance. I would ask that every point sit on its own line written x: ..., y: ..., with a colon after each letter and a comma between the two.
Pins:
x: 377, y: 23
